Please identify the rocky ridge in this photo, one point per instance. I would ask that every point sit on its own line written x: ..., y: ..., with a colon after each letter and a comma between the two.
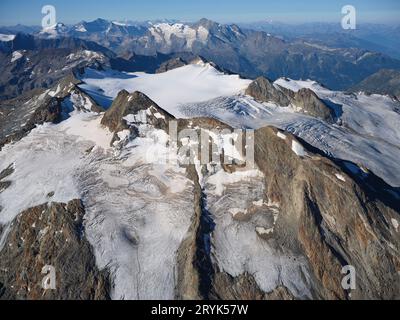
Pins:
x: 304, y: 100
x: 20, y: 115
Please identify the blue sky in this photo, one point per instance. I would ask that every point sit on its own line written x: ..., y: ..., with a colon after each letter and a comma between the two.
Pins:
x: 290, y: 11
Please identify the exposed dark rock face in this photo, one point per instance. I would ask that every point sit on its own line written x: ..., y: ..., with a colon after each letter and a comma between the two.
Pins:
x: 279, y: 293
x: 137, y: 104
x: 171, y: 64
x: 50, y: 234
x: 334, y: 222
x: 243, y: 287
x: 4, y: 184
x: 305, y: 100
x: 263, y: 90
x: 49, y: 110
x: 203, y: 261
x: 308, y: 101
x: 188, y: 283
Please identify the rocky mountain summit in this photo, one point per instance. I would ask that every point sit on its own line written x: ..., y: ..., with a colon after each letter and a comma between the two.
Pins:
x: 304, y: 100
x: 321, y: 201
x: 127, y: 104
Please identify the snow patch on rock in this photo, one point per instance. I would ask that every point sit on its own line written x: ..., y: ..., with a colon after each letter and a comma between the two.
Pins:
x: 16, y: 55
x: 395, y: 224
x: 298, y: 148
x: 340, y: 177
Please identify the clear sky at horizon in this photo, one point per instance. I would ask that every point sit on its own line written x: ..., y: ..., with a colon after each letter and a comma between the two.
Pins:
x: 290, y: 11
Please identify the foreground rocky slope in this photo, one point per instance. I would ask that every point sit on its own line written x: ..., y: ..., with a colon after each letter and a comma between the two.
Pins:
x: 51, y: 234
x: 334, y: 213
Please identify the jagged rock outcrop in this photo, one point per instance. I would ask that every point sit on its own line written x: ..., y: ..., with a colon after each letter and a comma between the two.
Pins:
x: 48, y: 110
x: 4, y: 184
x: 139, y: 109
x: 307, y: 101
x: 304, y: 100
x: 188, y: 287
x: 21, y: 115
x: 244, y: 287
x: 263, y: 90
x: 50, y: 235
x: 171, y: 64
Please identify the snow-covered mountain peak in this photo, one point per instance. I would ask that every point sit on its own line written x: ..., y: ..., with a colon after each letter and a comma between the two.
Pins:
x: 54, y: 31
x: 165, y: 32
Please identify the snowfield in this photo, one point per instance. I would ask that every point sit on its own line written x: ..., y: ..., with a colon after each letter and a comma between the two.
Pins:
x: 366, y: 132
x: 188, y: 84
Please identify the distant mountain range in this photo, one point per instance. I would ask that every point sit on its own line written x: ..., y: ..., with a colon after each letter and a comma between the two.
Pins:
x: 376, y: 37
x: 339, y: 62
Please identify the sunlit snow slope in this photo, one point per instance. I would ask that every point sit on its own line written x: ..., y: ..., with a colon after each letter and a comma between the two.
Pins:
x: 191, y: 83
